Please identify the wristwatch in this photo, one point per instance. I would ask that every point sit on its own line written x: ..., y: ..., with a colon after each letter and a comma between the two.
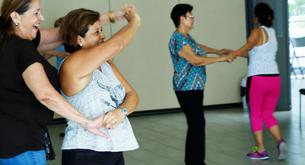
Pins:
x: 124, y: 111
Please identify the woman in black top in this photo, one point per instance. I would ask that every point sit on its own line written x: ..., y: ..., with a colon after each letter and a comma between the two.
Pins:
x: 29, y: 85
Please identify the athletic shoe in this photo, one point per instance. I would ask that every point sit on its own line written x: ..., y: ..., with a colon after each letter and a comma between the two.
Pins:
x: 258, y: 155
x: 281, y: 150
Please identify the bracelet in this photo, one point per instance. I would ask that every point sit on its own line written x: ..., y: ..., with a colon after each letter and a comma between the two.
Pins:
x: 111, y: 17
x: 236, y: 52
x: 124, y: 111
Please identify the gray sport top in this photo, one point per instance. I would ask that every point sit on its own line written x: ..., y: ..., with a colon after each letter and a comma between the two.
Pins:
x: 102, y: 94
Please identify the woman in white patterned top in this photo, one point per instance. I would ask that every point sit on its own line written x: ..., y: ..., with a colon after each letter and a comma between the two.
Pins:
x: 91, y: 82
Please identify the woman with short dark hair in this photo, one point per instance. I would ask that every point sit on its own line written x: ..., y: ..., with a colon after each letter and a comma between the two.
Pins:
x: 189, y: 60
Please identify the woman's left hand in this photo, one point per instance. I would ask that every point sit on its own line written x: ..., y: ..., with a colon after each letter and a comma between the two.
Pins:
x: 113, y: 119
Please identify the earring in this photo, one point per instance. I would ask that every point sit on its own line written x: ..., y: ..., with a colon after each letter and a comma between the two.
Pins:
x: 16, y: 23
x: 81, y: 44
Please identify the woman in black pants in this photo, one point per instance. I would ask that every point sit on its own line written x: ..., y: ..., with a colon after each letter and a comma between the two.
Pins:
x: 189, y: 60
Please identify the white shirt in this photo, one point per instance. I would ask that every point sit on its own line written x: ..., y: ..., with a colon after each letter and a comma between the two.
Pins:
x: 262, y: 58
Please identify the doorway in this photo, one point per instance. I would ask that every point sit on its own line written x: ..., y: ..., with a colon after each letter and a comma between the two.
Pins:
x: 281, y: 27
x: 296, y: 14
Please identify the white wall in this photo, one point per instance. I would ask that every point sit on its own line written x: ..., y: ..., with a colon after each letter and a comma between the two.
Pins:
x: 146, y: 62
x: 221, y: 23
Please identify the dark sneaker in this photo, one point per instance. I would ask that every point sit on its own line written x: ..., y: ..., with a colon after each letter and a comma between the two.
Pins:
x: 258, y: 155
x: 281, y: 150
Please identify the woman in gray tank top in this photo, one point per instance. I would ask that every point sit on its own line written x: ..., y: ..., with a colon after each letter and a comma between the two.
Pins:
x: 91, y: 82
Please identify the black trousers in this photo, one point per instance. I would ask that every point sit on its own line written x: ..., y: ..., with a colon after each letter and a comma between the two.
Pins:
x: 191, y: 103
x: 89, y: 157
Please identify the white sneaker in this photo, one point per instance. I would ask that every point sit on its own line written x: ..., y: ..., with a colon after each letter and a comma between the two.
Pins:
x: 281, y: 150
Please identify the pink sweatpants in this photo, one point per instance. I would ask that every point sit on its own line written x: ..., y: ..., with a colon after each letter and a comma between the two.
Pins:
x: 263, y: 95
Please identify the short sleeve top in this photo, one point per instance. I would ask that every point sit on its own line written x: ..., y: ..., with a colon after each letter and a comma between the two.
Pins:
x: 23, y: 118
x: 186, y: 76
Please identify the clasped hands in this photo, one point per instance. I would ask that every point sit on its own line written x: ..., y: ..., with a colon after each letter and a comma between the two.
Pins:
x: 127, y: 11
x: 227, y: 55
x: 110, y: 121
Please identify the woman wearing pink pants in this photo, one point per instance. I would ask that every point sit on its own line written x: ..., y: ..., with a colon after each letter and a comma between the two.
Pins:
x: 264, y: 82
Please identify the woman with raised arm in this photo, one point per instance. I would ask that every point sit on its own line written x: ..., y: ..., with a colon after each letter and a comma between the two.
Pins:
x: 93, y: 84
x: 29, y: 85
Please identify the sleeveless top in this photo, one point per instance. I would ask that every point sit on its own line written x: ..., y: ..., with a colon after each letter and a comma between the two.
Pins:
x: 103, y: 94
x: 262, y: 58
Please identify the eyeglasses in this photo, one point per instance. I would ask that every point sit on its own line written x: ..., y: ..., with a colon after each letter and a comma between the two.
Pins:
x: 189, y: 16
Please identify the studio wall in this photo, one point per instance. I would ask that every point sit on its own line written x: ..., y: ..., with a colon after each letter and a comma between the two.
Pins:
x: 146, y: 62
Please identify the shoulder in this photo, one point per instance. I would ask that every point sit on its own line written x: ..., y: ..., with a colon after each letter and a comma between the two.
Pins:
x: 256, y: 31
x: 190, y: 36
x: 22, y: 42
x: 177, y: 36
x: 254, y: 35
x: 18, y: 44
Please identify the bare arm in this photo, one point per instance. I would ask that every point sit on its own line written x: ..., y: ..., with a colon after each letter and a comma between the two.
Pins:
x: 56, y: 53
x: 210, y: 50
x: 83, y: 62
x: 131, y: 101
x: 252, y: 41
x: 188, y: 54
x: 37, y: 81
x: 77, y: 69
x: 50, y: 39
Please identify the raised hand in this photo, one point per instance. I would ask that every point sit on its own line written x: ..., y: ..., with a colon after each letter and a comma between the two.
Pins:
x: 119, y: 14
x: 131, y: 14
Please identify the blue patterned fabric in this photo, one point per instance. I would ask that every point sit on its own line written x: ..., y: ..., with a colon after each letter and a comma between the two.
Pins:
x: 59, y: 60
x: 186, y: 76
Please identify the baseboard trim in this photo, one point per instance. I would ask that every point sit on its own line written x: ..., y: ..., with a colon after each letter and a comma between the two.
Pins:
x: 165, y: 111
x: 176, y: 110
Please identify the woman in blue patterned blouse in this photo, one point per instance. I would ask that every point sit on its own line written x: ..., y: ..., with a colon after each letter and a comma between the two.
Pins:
x: 189, y: 60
